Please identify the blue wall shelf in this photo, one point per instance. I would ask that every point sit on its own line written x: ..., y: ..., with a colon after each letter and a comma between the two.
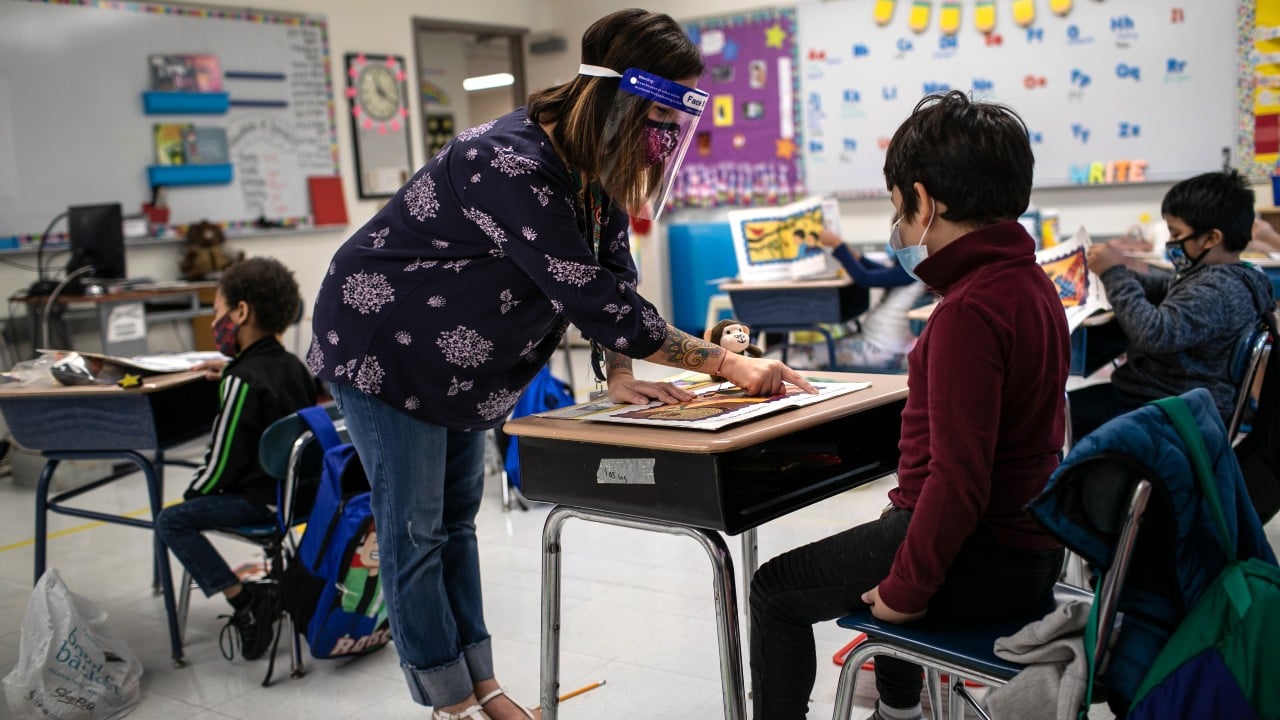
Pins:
x: 158, y: 102
x: 189, y: 174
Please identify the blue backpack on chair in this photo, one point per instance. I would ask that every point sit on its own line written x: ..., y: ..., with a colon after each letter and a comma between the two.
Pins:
x: 334, y: 591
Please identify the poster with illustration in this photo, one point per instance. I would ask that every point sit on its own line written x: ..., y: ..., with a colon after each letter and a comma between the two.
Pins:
x: 1080, y: 290
x: 781, y: 243
x: 746, y: 150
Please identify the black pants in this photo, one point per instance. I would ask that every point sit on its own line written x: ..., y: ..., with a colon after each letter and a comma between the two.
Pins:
x: 825, y: 580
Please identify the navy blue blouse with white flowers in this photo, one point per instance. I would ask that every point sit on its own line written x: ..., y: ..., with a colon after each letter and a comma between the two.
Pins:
x: 449, y: 300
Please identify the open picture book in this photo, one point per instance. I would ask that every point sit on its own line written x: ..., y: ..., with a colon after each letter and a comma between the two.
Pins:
x: 781, y: 243
x: 715, y: 405
x: 1080, y: 290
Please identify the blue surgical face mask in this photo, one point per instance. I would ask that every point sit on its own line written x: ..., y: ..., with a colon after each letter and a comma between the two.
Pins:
x: 1175, y: 251
x: 910, y: 257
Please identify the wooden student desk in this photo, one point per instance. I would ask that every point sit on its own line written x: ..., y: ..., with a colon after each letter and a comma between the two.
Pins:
x: 700, y: 484
x: 107, y: 422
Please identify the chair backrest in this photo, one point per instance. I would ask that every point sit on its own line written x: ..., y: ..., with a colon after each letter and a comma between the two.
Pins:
x: 1113, y: 499
x: 1248, y: 369
x: 289, y: 453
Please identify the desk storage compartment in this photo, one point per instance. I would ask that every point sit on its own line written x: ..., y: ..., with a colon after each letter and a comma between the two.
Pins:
x: 88, y: 423
x: 772, y: 479
x: 730, y: 492
x: 801, y: 306
x: 684, y: 488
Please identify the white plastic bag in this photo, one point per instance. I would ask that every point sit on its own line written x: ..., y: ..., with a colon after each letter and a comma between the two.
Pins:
x: 70, y: 666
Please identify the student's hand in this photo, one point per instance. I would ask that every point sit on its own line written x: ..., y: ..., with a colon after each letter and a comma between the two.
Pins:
x: 212, y: 369
x: 760, y: 376
x: 883, y: 612
x: 1103, y: 257
x: 1265, y: 237
x: 628, y: 390
x: 829, y: 239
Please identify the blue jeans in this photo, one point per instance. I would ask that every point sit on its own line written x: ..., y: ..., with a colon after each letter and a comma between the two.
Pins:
x: 427, y: 483
x: 182, y: 526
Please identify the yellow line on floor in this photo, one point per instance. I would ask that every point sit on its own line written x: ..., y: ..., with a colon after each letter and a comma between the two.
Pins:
x: 78, y: 528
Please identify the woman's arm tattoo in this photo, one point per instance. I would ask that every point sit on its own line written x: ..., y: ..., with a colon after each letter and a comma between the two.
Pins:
x: 684, y: 350
x: 616, y: 361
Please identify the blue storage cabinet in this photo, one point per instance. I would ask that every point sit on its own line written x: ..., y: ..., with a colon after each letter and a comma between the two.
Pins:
x: 698, y: 254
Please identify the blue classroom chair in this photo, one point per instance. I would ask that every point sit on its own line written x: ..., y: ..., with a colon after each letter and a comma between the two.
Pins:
x: 1117, y: 500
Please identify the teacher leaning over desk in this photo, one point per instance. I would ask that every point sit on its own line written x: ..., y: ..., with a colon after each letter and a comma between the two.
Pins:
x: 436, y: 314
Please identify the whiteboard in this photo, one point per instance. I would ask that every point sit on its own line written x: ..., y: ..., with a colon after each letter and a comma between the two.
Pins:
x: 71, y: 83
x: 1152, y: 85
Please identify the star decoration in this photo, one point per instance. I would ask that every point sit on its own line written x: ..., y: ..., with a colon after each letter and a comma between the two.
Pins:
x: 774, y: 36
x: 130, y: 380
x: 784, y: 148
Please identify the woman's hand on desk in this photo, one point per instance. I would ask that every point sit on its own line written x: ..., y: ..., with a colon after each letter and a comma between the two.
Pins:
x: 760, y: 376
x: 883, y: 612
x: 212, y: 369
x: 628, y: 390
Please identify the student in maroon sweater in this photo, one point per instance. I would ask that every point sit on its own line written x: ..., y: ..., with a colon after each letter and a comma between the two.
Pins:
x: 981, y: 430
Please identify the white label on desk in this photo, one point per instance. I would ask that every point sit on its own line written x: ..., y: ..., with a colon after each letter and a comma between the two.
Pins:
x: 625, y: 471
x: 126, y: 321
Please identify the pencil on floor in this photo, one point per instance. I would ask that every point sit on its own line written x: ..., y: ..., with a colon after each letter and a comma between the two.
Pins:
x: 579, y: 691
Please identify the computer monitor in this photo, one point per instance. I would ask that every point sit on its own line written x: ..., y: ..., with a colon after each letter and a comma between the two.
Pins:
x: 97, y: 239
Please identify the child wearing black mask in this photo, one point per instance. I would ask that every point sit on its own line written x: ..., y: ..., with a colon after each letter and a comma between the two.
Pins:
x: 1181, y: 326
x: 256, y: 301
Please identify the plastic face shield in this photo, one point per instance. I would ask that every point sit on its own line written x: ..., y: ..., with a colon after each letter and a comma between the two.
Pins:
x: 672, y: 111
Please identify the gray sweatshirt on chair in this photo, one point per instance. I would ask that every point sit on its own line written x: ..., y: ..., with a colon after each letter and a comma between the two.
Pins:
x: 1183, y: 329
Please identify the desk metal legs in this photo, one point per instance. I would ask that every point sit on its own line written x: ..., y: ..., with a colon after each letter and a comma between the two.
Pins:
x: 155, y: 489
x: 731, y: 675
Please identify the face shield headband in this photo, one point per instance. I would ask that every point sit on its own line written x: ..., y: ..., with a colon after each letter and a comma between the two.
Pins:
x: 671, y: 113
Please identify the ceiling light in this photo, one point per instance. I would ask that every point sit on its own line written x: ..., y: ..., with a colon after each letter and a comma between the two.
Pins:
x: 487, y: 82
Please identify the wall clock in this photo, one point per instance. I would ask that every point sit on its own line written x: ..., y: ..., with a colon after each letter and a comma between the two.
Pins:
x: 378, y: 101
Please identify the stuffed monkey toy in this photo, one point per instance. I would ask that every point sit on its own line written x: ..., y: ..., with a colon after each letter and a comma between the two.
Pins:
x: 734, y: 337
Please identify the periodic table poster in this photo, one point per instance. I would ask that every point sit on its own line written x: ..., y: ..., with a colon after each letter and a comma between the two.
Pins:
x: 747, y: 147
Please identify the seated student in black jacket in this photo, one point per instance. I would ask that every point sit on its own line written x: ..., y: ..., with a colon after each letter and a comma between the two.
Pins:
x: 256, y: 301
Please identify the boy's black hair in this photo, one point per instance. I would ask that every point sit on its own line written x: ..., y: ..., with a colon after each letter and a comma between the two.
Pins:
x: 973, y: 156
x: 1221, y: 200
x: 268, y: 287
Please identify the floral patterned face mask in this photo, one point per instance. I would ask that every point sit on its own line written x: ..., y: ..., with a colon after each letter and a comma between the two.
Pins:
x: 660, y: 140
x: 224, y: 335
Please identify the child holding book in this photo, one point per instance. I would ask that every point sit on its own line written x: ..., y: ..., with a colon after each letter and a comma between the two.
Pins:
x: 1182, y: 326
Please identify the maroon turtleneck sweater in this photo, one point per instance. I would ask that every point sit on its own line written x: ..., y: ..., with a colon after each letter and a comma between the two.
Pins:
x: 984, y: 419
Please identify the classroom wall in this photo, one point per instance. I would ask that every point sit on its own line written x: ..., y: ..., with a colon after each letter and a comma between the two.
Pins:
x: 386, y: 27
x: 383, y: 27
x: 1102, y: 211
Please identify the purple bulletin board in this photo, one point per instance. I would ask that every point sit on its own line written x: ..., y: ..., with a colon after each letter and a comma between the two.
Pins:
x: 747, y: 149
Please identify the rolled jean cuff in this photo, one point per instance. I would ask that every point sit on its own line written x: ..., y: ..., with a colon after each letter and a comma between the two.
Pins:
x: 479, y: 659
x: 440, y: 686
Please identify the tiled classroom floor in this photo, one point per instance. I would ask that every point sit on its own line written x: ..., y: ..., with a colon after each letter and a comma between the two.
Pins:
x: 637, y: 613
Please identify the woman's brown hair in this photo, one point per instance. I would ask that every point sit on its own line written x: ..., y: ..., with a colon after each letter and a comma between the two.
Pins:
x: 634, y: 38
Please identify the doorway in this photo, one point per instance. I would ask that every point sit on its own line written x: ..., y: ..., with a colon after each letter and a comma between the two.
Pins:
x: 467, y: 75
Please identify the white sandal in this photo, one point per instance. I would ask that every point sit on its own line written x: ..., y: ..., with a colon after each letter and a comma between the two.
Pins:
x: 492, y: 695
x: 474, y: 712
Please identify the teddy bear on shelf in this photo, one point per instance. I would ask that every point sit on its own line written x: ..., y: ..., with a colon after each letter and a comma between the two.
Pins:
x: 734, y: 337
x: 206, y: 252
